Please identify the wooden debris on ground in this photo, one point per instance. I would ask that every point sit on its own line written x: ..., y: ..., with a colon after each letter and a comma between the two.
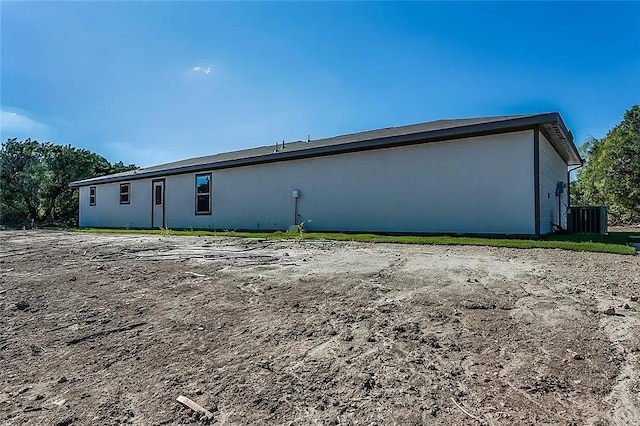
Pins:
x: 194, y: 406
x: 195, y: 274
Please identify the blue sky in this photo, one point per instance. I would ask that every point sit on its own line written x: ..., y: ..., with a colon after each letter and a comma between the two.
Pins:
x: 147, y: 82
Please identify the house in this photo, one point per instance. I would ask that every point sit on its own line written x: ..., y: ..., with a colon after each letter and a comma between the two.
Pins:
x: 495, y: 175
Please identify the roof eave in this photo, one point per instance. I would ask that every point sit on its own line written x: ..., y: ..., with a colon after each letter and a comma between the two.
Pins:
x: 503, y: 126
x: 564, y: 137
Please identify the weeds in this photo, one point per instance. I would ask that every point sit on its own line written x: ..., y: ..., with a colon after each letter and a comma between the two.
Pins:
x: 301, y: 228
x: 166, y: 231
x: 614, y: 242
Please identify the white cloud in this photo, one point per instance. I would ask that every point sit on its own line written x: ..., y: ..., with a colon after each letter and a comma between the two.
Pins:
x: 206, y: 70
x: 139, y: 155
x: 14, y: 123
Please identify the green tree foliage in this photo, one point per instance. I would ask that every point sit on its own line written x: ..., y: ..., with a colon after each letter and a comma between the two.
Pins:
x: 35, y: 177
x: 611, y: 175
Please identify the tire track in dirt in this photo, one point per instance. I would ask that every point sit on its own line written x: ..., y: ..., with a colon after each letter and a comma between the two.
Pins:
x: 335, y: 333
x: 625, y: 395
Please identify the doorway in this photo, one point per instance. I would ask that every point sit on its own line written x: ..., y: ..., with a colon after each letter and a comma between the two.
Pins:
x: 157, y: 204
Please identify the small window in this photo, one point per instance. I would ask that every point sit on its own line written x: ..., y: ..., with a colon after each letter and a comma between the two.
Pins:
x: 92, y: 196
x: 125, y: 193
x: 158, y: 195
x: 203, y: 194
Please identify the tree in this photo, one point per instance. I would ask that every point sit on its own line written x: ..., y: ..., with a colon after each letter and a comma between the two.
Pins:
x: 35, y: 177
x: 18, y: 167
x: 611, y: 175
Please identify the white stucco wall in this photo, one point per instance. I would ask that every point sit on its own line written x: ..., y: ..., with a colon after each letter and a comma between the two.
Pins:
x: 473, y: 185
x: 553, y: 169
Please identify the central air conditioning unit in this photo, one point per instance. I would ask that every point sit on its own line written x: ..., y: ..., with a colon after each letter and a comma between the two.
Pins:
x: 587, y: 220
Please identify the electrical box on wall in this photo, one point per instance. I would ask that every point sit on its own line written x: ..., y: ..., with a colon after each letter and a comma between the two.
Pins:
x: 560, y: 186
x: 295, y: 193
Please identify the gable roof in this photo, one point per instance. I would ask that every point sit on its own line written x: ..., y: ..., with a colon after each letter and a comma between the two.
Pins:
x: 550, y: 123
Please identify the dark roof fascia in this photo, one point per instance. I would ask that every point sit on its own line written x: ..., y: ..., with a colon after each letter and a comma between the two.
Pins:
x: 482, y: 129
x: 551, y: 139
x: 568, y: 135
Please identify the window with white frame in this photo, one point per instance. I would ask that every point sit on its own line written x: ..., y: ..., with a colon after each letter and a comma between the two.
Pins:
x: 125, y: 193
x: 92, y: 195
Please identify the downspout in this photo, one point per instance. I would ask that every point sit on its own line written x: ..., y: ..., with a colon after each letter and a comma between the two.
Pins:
x: 560, y: 208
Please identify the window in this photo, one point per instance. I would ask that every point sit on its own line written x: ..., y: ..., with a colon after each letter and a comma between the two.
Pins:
x: 203, y: 194
x: 125, y: 193
x: 92, y: 195
x: 158, y: 195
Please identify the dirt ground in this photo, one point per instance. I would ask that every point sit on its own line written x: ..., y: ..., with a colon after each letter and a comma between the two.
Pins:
x: 111, y: 329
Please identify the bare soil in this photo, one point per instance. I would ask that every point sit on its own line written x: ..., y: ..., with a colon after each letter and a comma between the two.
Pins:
x: 111, y: 329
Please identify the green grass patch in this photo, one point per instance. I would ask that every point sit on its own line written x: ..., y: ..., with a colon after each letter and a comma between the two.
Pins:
x: 614, y: 242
